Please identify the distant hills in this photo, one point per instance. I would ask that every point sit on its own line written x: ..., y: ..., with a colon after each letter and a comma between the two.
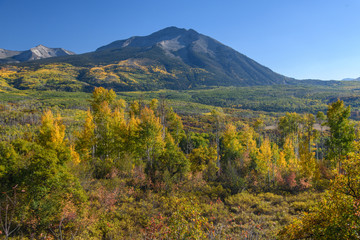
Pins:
x: 172, y: 58
x: 351, y: 79
x: 38, y: 52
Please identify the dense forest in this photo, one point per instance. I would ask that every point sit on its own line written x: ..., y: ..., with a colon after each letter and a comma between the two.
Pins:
x: 132, y: 167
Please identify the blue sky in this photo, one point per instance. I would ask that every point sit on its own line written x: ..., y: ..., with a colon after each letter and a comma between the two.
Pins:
x: 318, y: 39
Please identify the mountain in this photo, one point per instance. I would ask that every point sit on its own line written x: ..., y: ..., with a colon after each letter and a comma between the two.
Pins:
x: 223, y: 65
x: 351, y: 79
x: 8, y: 53
x: 172, y: 58
x: 38, y: 52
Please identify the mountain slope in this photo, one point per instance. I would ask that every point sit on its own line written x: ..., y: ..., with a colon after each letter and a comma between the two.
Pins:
x: 38, y: 52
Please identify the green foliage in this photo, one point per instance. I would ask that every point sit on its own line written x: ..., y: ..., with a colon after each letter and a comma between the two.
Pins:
x: 173, y: 161
x: 342, y: 132
x: 337, y: 215
x: 126, y: 169
x: 8, y: 159
x: 267, y: 211
x: 46, y: 185
x: 186, y: 221
x: 289, y: 124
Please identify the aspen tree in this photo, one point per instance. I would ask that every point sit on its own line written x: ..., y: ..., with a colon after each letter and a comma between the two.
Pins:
x: 342, y: 132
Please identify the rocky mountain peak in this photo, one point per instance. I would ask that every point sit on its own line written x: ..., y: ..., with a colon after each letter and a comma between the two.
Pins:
x: 35, y: 53
x: 170, y: 38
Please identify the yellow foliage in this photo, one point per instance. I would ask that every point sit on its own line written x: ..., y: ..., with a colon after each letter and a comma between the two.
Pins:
x: 264, y: 159
x: 161, y: 69
x: 133, y: 124
x: 134, y: 108
x: 151, y: 129
x: 86, y: 138
x: 201, y: 157
x: 100, y: 73
x: 247, y: 137
x: 52, y: 131
x: 290, y: 156
x: 74, y: 155
x: 7, y: 72
x: 154, y: 104
x: 281, y: 162
x: 230, y: 139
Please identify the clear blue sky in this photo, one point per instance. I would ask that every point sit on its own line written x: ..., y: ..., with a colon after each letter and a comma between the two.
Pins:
x: 317, y: 39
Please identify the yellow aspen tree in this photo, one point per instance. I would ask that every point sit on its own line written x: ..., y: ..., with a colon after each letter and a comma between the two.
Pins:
x: 230, y: 139
x: 52, y: 131
x: 218, y: 121
x: 172, y: 162
x: 307, y: 162
x: 74, y: 155
x: 201, y: 157
x: 264, y: 160
x: 174, y: 125
x: 134, y: 109
x: 150, y: 138
x: 281, y: 163
x: 342, y: 133
x: 307, y: 159
x: 99, y: 96
x: 103, y: 132
x: 289, y: 126
x: 51, y: 136
x: 102, y: 105
x: 132, y: 143
x: 290, y: 156
x: 118, y: 125
x: 154, y: 105
x: 84, y: 144
x: 120, y: 105
x: 247, y: 137
x: 232, y: 148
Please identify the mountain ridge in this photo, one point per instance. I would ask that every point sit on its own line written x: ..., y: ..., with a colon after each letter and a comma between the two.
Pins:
x: 351, y: 79
x: 35, y: 53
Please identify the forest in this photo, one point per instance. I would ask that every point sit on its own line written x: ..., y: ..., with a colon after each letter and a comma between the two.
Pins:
x: 121, y: 165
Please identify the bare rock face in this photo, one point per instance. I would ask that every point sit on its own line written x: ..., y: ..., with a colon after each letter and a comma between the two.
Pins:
x: 38, y: 52
x: 8, y: 53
